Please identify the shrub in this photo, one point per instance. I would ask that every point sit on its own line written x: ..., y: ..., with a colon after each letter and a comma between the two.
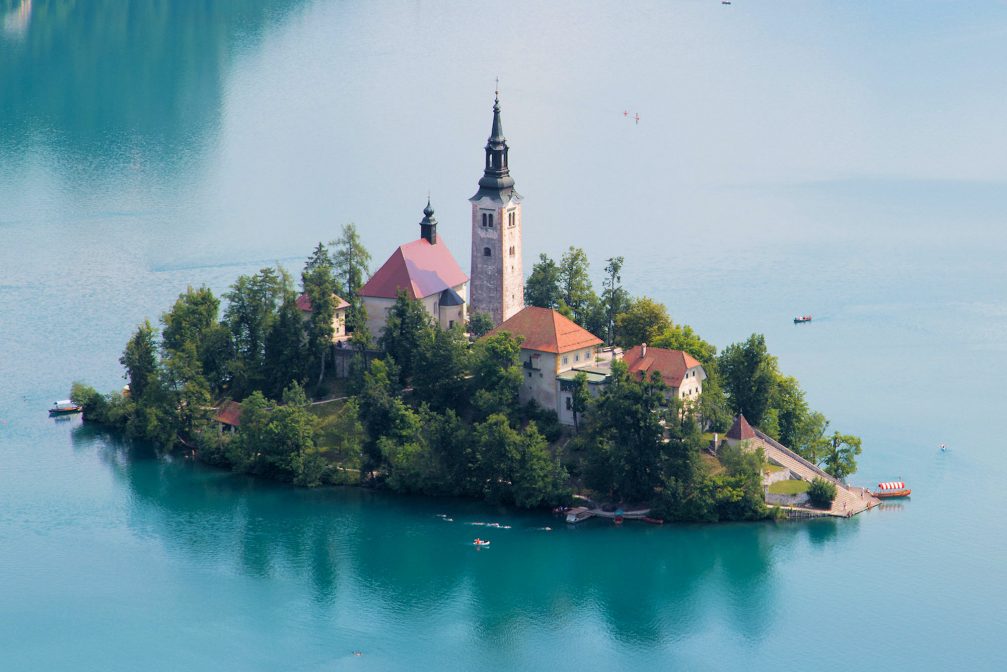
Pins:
x: 822, y: 493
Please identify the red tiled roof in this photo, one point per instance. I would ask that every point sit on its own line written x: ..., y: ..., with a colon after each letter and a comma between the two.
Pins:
x: 304, y: 303
x: 741, y: 430
x: 671, y: 364
x: 546, y: 330
x: 229, y: 413
x: 419, y: 268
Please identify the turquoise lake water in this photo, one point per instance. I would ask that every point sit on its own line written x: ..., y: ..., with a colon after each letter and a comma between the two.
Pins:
x: 844, y: 161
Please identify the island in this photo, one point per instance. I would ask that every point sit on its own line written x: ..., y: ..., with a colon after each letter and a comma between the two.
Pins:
x: 529, y: 392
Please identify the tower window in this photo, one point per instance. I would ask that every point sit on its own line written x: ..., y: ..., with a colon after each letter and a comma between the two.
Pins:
x: 511, y: 219
x: 487, y: 252
x: 490, y: 217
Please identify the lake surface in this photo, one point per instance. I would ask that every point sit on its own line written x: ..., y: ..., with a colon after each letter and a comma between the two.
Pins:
x: 844, y: 161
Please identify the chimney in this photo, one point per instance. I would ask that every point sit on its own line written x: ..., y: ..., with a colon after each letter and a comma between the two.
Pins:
x: 643, y: 351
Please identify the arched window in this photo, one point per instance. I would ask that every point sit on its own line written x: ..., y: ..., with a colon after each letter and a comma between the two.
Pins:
x: 487, y: 252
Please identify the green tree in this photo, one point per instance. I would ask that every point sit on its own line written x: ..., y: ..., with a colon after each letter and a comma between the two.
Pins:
x: 642, y: 322
x: 440, y: 378
x: 319, y: 285
x: 614, y: 298
x: 580, y: 398
x: 286, y: 353
x: 516, y: 467
x: 627, y: 431
x: 140, y: 359
x: 682, y: 337
x: 542, y: 288
x: 822, y: 493
x: 192, y: 321
x: 408, y: 332
x: 252, y: 305
x: 496, y: 374
x: 577, y: 298
x: 378, y: 406
x: 480, y: 324
x: 748, y: 373
x: 841, y: 455
x: 351, y: 261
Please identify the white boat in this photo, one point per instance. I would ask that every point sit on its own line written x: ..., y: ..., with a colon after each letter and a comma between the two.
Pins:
x: 64, y: 407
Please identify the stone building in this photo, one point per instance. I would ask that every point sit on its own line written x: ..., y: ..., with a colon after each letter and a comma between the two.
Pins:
x: 497, y: 275
x: 425, y: 270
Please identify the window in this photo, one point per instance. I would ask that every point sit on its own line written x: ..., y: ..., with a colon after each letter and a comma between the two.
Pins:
x: 451, y: 324
x: 576, y: 357
x: 487, y: 220
x: 491, y: 220
x: 565, y: 359
x: 569, y: 404
x: 487, y: 252
x: 511, y: 219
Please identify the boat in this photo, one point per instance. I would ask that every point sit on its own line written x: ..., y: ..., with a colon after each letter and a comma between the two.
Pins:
x: 653, y: 521
x: 891, y: 489
x: 480, y: 542
x: 578, y: 514
x: 801, y: 319
x: 64, y: 407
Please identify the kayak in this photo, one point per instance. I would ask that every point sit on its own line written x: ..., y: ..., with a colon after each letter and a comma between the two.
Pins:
x: 480, y: 542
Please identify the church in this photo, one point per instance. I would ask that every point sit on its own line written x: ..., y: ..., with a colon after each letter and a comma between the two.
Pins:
x: 426, y: 270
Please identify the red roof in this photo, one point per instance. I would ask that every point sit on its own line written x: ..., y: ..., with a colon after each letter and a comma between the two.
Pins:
x: 229, y: 413
x: 741, y: 430
x: 419, y: 268
x: 546, y: 330
x: 304, y: 303
x: 671, y: 364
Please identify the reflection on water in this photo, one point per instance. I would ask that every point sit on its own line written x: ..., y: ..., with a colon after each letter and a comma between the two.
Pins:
x: 645, y: 584
x: 110, y: 83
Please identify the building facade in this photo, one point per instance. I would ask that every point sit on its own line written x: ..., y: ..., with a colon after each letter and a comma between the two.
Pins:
x: 551, y: 346
x: 497, y: 281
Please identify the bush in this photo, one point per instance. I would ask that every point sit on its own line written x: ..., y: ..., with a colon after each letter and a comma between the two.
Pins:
x: 822, y: 493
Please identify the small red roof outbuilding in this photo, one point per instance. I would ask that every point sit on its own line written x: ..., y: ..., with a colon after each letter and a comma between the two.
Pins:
x: 304, y: 303
x: 229, y: 414
x: 740, y: 430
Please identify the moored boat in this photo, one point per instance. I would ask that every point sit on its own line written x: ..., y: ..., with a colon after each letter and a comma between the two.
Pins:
x: 64, y: 407
x: 890, y: 489
x: 802, y: 318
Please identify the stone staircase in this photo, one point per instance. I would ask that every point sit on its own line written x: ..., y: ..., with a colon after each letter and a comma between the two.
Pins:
x: 849, y: 500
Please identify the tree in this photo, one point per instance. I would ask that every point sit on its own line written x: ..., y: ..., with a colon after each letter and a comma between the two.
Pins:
x: 627, y: 428
x: 252, y: 305
x: 496, y: 374
x: 542, y: 288
x: 192, y: 321
x: 140, y: 359
x: 286, y: 353
x: 480, y: 324
x: 580, y: 398
x: 319, y: 285
x: 440, y: 378
x: 614, y: 298
x: 642, y: 322
x: 748, y: 373
x: 841, y: 457
x: 408, y: 332
x: 714, y: 412
x: 516, y: 467
x: 682, y: 337
x: 377, y: 398
x: 350, y: 259
x: 319, y: 258
x: 822, y: 493
x: 193, y: 315
x: 576, y: 293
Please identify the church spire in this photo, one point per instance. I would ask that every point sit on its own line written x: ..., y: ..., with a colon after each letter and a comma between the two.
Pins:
x: 496, y: 175
x: 428, y: 226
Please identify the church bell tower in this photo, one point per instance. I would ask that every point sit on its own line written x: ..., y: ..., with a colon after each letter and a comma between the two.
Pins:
x: 497, y: 279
